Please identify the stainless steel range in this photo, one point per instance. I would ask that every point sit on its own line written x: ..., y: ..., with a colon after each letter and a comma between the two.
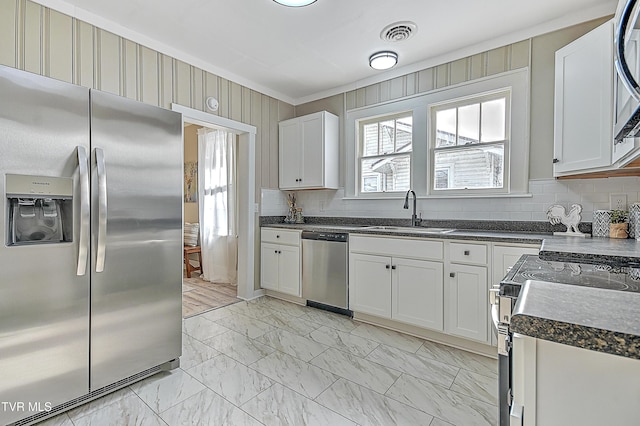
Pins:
x: 505, y: 295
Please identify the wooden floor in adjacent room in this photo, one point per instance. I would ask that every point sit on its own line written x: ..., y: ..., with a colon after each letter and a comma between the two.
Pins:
x: 200, y: 296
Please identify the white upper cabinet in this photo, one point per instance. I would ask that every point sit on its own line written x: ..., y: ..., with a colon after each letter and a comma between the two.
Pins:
x: 309, y: 152
x: 583, y: 127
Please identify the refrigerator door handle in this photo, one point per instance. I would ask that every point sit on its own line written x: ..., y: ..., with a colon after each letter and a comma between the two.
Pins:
x: 102, y: 210
x: 83, y: 245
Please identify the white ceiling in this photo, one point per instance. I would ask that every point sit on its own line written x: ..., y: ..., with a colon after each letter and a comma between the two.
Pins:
x: 300, y: 54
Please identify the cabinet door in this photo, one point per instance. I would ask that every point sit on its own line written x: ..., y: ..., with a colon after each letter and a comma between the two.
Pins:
x: 312, y: 168
x: 289, y: 270
x: 505, y: 257
x: 290, y: 154
x: 584, y: 102
x: 370, y: 284
x: 269, y: 266
x: 467, y: 302
x: 417, y: 292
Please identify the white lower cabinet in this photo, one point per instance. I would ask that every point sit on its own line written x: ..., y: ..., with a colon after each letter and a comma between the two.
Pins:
x: 416, y: 292
x: 466, y: 302
x: 406, y: 290
x: 280, y: 261
x: 370, y: 284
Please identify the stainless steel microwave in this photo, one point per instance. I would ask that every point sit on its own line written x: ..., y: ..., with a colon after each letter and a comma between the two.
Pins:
x: 627, y: 63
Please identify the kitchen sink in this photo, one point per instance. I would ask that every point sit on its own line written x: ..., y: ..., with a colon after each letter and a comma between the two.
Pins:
x: 411, y: 230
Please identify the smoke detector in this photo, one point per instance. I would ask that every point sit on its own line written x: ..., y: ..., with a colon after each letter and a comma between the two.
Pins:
x: 398, y: 31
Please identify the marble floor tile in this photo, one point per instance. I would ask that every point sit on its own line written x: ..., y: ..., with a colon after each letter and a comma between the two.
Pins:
x: 453, y: 356
x: 295, y: 325
x: 443, y: 403
x: 98, y: 404
x: 242, y: 349
x: 367, y: 407
x: 287, y: 308
x: 234, y: 381
x: 476, y: 386
x: 252, y: 309
x: 281, y: 406
x: 468, y: 360
x: 388, y: 337
x: 343, y: 341
x: 329, y: 319
x: 207, y: 409
x: 418, y: 366
x: 194, y: 352
x: 438, y: 422
x: 166, y: 389
x: 247, y: 326
x: 216, y: 314
x: 298, y: 375
x: 129, y: 410
x: 59, y: 420
x: 201, y: 328
x: 300, y: 347
x: 359, y: 370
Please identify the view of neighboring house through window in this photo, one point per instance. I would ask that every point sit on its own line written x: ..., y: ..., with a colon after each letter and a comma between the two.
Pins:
x: 385, y: 153
x: 470, y: 141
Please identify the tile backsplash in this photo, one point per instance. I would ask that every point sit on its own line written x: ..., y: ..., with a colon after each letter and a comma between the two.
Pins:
x: 593, y: 194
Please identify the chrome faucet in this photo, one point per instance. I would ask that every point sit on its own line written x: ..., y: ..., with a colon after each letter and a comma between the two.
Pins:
x: 415, y: 220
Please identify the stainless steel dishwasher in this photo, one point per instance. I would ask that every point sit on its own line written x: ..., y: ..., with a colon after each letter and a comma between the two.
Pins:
x: 324, y: 270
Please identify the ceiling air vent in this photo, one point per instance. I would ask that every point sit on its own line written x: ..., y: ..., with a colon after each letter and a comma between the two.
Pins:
x: 398, y: 31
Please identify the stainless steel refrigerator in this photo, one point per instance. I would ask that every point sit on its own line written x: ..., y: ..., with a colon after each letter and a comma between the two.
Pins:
x: 91, y: 252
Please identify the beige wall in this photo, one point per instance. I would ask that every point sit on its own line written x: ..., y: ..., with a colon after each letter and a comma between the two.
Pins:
x: 537, y: 53
x: 43, y: 41
x: 191, y: 154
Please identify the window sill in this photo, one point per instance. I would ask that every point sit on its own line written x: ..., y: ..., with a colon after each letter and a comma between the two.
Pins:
x: 441, y: 197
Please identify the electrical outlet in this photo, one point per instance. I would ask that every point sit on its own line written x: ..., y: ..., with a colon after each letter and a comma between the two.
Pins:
x: 618, y: 201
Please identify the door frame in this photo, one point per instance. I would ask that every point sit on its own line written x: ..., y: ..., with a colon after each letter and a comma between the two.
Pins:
x: 247, y: 207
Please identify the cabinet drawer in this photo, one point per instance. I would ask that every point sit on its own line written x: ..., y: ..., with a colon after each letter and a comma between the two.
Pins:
x: 405, y: 247
x: 280, y: 236
x: 468, y: 253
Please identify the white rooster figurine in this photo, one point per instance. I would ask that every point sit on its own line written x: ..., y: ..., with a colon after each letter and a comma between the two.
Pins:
x: 558, y: 214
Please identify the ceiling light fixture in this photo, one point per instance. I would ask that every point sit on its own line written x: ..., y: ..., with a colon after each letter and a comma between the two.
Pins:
x: 383, y: 60
x: 295, y: 3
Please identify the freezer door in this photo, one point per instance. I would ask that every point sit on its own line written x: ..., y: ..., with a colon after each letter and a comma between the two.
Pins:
x: 44, y: 303
x: 136, y: 261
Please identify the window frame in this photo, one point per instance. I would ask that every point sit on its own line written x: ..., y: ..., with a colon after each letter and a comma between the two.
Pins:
x: 457, y: 103
x: 518, y: 186
x: 360, y: 150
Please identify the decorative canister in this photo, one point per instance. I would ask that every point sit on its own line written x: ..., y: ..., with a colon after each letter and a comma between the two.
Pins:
x: 600, y: 225
x: 634, y: 216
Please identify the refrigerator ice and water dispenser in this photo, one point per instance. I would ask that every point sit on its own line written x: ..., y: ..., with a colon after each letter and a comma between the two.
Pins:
x: 40, y: 209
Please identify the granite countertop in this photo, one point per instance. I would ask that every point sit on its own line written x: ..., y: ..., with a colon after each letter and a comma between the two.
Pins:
x: 591, y: 250
x: 590, y: 318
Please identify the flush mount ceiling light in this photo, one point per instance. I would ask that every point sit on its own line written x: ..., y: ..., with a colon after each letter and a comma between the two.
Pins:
x: 383, y: 60
x: 295, y: 3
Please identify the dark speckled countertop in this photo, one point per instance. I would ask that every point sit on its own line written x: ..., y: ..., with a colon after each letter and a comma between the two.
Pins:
x: 591, y: 250
x: 590, y: 318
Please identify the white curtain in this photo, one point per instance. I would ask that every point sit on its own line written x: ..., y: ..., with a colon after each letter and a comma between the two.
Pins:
x: 217, y: 187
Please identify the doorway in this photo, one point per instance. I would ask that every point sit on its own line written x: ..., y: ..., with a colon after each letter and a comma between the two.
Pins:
x: 247, y: 206
x: 210, y: 284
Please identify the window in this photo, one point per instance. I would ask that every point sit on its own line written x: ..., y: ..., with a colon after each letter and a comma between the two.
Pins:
x: 470, y: 143
x: 385, y: 153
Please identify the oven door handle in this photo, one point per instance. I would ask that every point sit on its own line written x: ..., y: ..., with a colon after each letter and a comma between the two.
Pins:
x: 516, y: 415
x: 494, y: 316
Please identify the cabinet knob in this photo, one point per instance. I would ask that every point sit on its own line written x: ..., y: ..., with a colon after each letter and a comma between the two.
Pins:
x: 452, y: 274
x: 555, y: 160
x: 467, y: 252
x: 393, y: 266
x: 275, y: 251
x: 277, y: 236
x: 387, y: 266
